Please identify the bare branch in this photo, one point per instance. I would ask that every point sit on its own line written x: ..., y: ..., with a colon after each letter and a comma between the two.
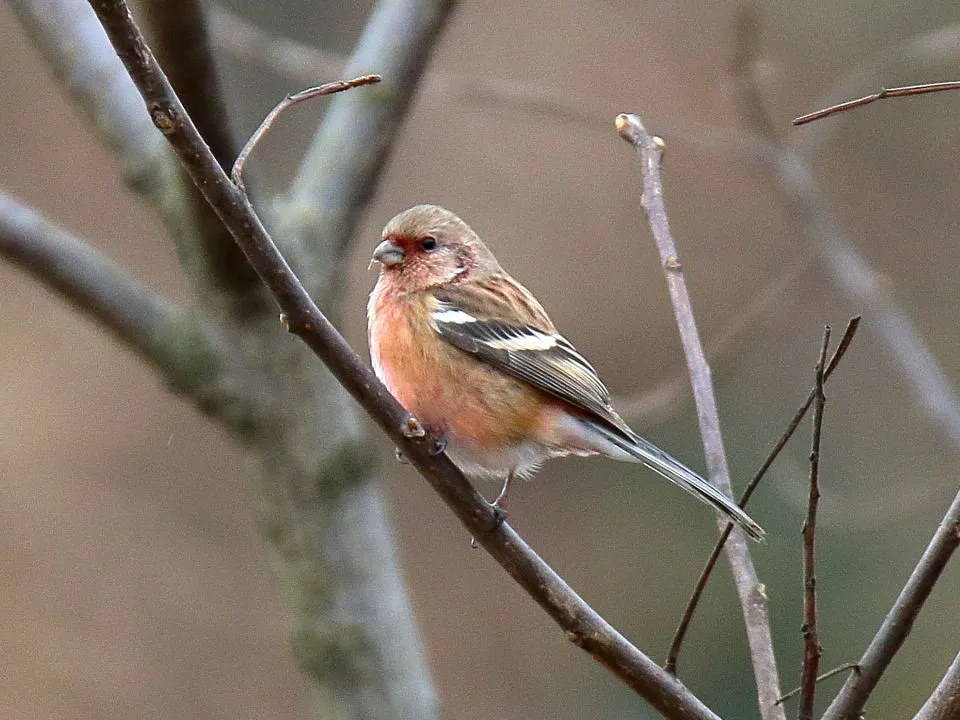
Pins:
x: 145, y: 322
x: 341, y: 169
x: 849, y: 269
x: 944, y: 703
x: 848, y: 705
x: 883, y: 94
x: 68, y: 35
x: 243, y: 40
x: 671, y: 663
x: 749, y: 588
x: 236, y: 173
x: 583, y: 626
x: 182, y: 42
x: 936, y: 48
x: 811, y: 640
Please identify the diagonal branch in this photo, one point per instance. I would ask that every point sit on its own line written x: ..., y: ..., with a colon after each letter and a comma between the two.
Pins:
x: 749, y: 588
x: 848, y: 705
x: 671, y: 663
x: 68, y: 35
x: 582, y: 625
x: 848, y: 267
x: 340, y: 171
x: 944, y: 703
x: 144, y: 321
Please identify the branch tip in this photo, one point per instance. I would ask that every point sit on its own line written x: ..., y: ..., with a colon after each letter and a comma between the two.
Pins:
x: 236, y: 174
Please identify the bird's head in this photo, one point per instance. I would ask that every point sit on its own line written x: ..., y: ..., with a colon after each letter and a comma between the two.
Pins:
x: 428, y: 246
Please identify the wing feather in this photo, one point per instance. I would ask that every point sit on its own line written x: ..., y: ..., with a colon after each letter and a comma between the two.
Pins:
x: 501, y: 323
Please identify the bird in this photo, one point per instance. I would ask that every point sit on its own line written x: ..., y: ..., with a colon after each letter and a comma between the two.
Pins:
x: 474, y: 357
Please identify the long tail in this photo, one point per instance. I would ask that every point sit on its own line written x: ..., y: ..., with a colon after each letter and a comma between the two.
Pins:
x: 674, y: 471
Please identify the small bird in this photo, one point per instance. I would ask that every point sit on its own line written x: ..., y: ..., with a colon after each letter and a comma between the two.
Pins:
x: 470, y: 353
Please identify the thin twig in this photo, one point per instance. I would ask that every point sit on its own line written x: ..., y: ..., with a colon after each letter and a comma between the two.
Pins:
x: 944, y: 702
x: 749, y: 588
x: 236, y: 173
x: 144, y: 321
x: 933, y: 49
x: 582, y: 624
x: 883, y: 94
x: 899, y: 621
x: 827, y: 675
x: 848, y: 267
x: 811, y: 641
x: 671, y: 663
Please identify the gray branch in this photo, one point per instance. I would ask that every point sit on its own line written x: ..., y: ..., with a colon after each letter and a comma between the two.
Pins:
x: 145, y: 322
x: 340, y: 172
x: 944, y: 703
x: 750, y: 590
x: 849, y: 702
x: 67, y: 34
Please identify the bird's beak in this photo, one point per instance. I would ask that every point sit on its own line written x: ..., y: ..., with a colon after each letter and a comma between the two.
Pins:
x: 388, y: 254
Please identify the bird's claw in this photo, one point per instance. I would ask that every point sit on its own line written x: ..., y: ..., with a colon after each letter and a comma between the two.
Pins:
x: 401, y: 458
x: 439, y: 445
x: 499, y: 512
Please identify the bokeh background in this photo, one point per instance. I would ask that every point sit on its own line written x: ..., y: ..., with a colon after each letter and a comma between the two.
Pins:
x: 133, y: 583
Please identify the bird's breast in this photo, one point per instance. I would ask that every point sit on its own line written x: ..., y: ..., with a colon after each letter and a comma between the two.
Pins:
x: 452, y: 393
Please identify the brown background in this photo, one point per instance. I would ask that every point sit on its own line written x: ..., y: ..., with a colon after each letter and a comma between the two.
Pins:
x: 132, y: 580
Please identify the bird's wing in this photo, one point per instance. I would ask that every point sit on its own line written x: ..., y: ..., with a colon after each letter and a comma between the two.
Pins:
x: 500, y: 323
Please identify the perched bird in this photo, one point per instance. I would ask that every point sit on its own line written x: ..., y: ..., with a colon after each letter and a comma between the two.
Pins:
x: 472, y: 355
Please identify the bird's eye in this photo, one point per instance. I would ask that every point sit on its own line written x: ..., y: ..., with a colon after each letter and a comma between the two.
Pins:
x: 429, y: 244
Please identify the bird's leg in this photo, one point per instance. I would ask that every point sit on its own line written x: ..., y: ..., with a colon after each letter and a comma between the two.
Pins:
x: 500, y: 504
x: 499, y: 507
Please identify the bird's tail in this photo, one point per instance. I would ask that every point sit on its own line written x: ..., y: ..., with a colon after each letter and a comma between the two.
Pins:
x: 674, y: 471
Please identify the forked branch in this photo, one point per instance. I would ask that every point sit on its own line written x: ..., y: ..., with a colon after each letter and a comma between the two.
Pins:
x: 749, y: 589
x: 581, y: 623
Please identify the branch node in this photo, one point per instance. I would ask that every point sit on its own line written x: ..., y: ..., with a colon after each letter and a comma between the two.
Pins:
x: 412, y: 428
x: 163, y: 116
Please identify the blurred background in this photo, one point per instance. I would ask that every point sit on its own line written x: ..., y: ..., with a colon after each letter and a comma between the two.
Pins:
x: 134, y: 583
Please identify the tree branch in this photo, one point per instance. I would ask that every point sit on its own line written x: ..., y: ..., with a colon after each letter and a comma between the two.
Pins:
x: 848, y: 268
x: 68, y: 35
x: 342, y: 167
x: 183, y: 46
x: 303, y: 317
x: 144, y: 321
x: 848, y: 705
x: 250, y: 43
x: 811, y: 641
x: 944, y: 703
x: 749, y: 588
x: 671, y: 663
